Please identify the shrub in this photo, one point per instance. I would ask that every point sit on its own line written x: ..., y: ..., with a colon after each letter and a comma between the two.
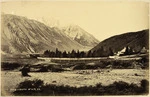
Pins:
x: 9, y: 66
x: 117, y: 88
x: 79, y: 66
x: 29, y: 87
x: 57, y: 69
x: 31, y: 84
x: 43, y: 69
x: 54, y: 68
x: 144, y: 86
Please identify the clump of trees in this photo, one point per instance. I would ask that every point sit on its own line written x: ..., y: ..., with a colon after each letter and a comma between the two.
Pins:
x: 59, y: 54
x: 130, y: 51
x: 79, y: 54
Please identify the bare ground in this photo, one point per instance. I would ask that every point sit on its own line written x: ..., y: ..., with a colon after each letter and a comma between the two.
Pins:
x: 78, y: 78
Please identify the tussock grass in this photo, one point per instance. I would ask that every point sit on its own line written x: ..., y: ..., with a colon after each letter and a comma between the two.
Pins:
x: 116, y: 88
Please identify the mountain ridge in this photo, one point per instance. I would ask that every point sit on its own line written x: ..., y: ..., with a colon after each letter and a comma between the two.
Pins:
x: 135, y: 40
x: 80, y: 35
x: 23, y: 35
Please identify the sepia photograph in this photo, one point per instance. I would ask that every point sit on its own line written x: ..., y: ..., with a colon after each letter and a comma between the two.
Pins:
x: 74, y: 48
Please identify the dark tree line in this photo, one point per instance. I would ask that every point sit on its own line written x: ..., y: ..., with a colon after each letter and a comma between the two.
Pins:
x: 101, y: 52
x: 59, y: 54
x: 79, y: 54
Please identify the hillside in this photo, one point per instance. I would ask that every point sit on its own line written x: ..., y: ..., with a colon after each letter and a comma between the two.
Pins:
x: 135, y: 40
x: 22, y: 35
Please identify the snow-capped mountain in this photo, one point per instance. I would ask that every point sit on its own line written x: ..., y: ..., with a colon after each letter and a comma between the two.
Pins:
x: 72, y: 31
x: 22, y: 35
x: 79, y: 35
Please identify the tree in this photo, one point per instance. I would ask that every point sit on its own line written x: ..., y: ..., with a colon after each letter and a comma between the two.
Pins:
x: 60, y: 54
x: 52, y: 54
x: 64, y: 54
x: 82, y: 54
x: 89, y: 54
x: 128, y: 51
x: 73, y: 54
x: 57, y: 53
x: 78, y: 54
x: 46, y: 53
x: 69, y: 55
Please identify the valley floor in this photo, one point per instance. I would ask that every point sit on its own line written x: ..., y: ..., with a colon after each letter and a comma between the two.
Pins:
x: 76, y: 78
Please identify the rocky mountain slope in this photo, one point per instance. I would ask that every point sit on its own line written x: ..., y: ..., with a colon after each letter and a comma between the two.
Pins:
x: 81, y: 36
x: 22, y: 35
x: 135, y: 40
x: 73, y: 31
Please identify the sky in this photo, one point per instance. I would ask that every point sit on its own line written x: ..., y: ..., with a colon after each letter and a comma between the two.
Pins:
x: 102, y: 19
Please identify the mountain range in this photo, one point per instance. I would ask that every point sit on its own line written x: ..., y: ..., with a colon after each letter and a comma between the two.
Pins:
x: 73, y: 31
x: 22, y: 35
